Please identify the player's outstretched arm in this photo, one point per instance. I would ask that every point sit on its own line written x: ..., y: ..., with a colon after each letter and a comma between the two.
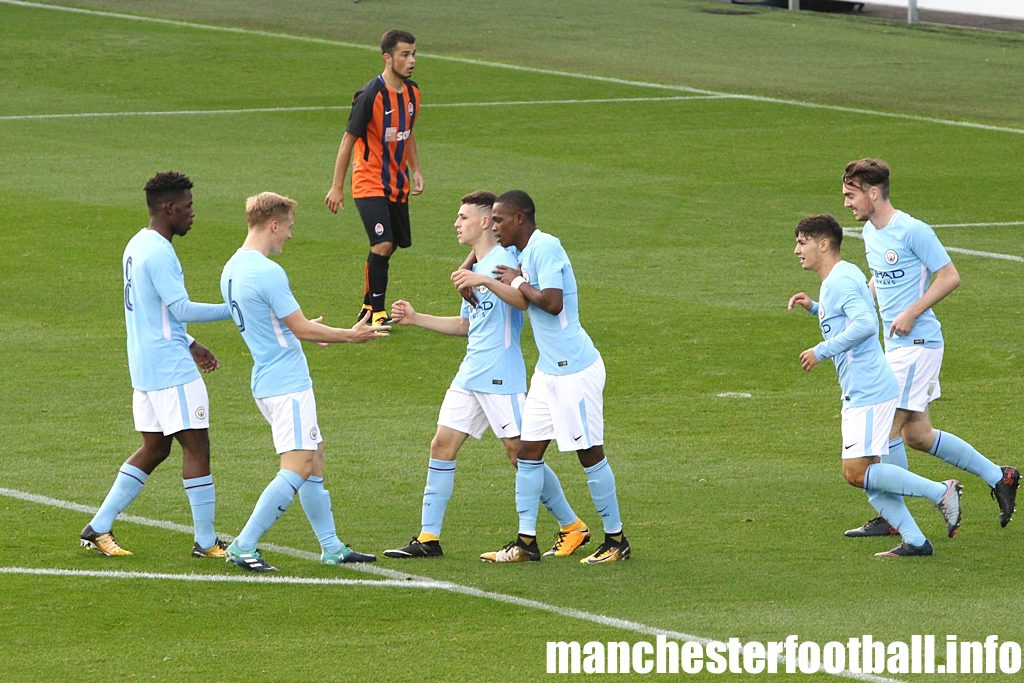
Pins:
x: 335, y: 198
x: 188, y: 311
x: 403, y: 313
x: 305, y: 329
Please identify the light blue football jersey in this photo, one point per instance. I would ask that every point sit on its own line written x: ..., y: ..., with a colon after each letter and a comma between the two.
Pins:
x: 849, y: 324
x: 257, y: 291
x: 494, y: 358
x: 902, y: 257
x: 158, y: 355
x: 563, y: 345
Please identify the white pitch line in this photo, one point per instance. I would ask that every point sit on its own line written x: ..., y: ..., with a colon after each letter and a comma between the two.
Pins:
x: 410, y: 580
x: 219, y: 578
x: 855, y: 232
x: 1001, y: 224
x: 524, y: 69
x: 277, y: 110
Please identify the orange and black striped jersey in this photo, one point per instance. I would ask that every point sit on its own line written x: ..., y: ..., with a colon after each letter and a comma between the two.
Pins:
x: 382, y: 120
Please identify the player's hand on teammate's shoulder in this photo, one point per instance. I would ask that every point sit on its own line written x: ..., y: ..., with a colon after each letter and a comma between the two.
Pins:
x: 506, y: 274
x: 800, y: 299
x: 335, y: 200
x: 204, y: 358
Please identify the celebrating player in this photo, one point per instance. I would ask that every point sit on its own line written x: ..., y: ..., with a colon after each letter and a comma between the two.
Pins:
x: 272, y: 325
x: 849, y: 325
x: 565, y: 401
x: 170, y: 401
x: 911, y: 272
x: 379, y: 132
x: 488, y: 389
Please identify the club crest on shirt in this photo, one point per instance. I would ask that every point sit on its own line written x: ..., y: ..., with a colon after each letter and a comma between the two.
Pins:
x: 378, y: 229
x: 314, y: 433
x: 201, y: 413
x: 412, y: 109
x: 891, y: 256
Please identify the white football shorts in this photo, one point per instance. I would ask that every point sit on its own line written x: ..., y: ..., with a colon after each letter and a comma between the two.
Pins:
x: 292, y: 419
x: 567, y: 408
x: 173, y: 409
x: 917, y: 373
x: 471, y: 412
x: 866, y: 430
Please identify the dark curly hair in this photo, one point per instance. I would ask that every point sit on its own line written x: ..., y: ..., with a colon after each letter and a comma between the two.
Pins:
x: 519, y: 201
x: 164, y: 187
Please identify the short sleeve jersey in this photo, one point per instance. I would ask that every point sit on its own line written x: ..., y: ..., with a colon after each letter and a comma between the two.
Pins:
x: 158, y: 355
x: 902, y: 257
x: 257, y: 291
x: 564, y: 347
x: 382, y: 120
x: 864, y: 375
x: 494, y: 358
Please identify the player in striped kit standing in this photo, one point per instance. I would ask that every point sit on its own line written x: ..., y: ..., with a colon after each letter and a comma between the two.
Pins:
x: 386, y: 169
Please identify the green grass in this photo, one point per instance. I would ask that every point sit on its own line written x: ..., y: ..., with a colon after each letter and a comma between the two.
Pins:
x: 678, y: 216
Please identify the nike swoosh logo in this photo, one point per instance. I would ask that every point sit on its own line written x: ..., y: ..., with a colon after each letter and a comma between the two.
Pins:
x: 505, y: 425
x: 849, y: 447
x: 282, y: 509
x: 577, y: 438
x: 388, y: 111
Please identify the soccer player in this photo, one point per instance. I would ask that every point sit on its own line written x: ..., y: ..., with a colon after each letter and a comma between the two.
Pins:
x: 849, y: 325
x: 272, y: 325
x: 565, y: 400
x: 387, y: 167
x: 170, y: 400
x: 489, y: 389
x: 911, y: 272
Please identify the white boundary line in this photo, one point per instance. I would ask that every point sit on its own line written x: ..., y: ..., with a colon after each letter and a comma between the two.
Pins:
x: 399, y: 579
x: 521, y: 68
x: 276, y: 110
x: 1002, y: 224
x: 219, y: 578
x: 856, y: 233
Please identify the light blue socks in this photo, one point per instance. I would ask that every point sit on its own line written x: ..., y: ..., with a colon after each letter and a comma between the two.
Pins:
x: 202, y: 499
x: 127, y: 485
x: 273, y: 503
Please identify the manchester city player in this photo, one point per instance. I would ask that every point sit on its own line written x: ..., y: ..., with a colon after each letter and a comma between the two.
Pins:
x: 170, y: 401
x: 910, y: 273
x: 565, y: 401
x: 489, y: 389
x: 849, y: 325
x: 272, y: 325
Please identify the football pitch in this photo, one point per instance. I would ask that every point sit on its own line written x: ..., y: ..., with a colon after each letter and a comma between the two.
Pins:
x: 672, y: 146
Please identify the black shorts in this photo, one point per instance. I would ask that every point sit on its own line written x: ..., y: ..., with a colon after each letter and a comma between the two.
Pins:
x: 385, y: 221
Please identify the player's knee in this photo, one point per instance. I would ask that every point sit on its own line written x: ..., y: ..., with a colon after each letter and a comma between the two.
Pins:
x: 383, y: 248
x: 919, y: 439
x: 854, y: 478
x: 440, y: 449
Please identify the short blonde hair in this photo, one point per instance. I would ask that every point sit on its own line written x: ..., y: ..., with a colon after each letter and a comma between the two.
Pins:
x: 267, y: 206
